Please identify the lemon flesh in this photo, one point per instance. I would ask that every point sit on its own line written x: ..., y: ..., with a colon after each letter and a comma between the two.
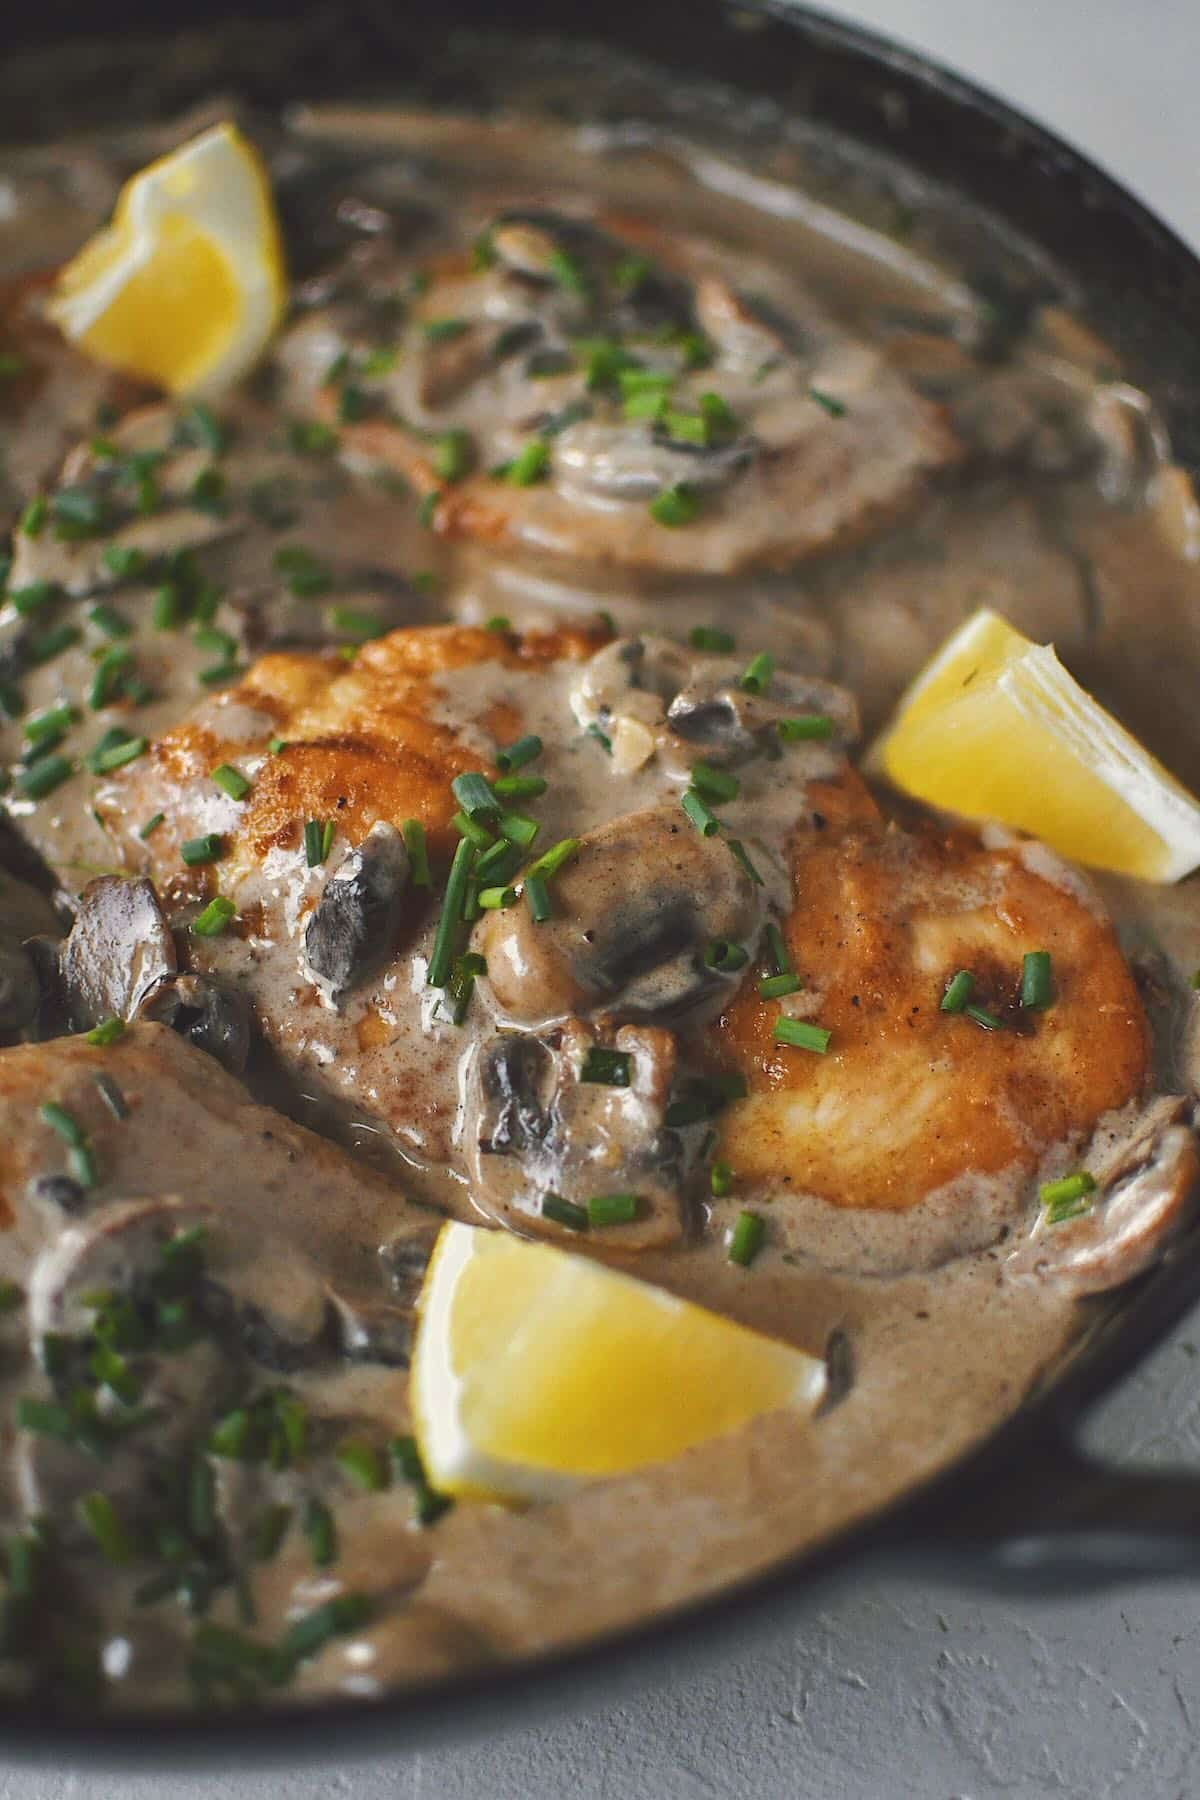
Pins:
x: 187, y: 284
x: 535, y: 1370
x: 996, y: 729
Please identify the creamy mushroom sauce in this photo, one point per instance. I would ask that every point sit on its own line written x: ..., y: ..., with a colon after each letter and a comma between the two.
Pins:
x: 997, y: 457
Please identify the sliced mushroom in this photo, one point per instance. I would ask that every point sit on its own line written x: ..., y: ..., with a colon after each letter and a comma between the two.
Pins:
x: 357, y: 917
x: 1146, y: 1187
x: 107, y: 1252
x: 275, y: 1302
x: 636, y: 907
x: 20, y: 989
x: 373, y: 1331
x: 118, y: 949
x: 600, y: 461
x: 537, y: 1127
x: 211, y: 1013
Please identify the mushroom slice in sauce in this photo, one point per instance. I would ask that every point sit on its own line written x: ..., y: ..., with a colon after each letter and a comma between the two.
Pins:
x: 212, y: 1014
x: 570, y: 1116
x: 118, y: 951
x: 353, y: 928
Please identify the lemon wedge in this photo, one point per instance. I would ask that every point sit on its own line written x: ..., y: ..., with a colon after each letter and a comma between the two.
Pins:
x: 995, y: 728
x: 187, y: 284
x: 535, y: 1370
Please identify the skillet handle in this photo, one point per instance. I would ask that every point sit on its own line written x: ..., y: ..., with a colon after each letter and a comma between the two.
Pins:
x: 1068, y: 1521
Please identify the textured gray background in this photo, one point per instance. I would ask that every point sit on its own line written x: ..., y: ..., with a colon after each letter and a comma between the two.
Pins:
x: 891, y: 1684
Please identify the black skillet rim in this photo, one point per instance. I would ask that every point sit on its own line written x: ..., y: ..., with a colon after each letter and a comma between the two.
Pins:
x: 1141, y: 281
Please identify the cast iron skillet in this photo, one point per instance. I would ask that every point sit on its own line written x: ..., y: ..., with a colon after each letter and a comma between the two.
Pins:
x: 1027, y: 1505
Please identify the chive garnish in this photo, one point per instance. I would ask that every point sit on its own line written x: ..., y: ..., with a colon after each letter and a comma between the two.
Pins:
x: 349, y: 622
x: 717, y: 413
x: 214, y: 918
x: 270, y: 1529
x: 496, y: 899
x: 742, y: 857
x: 406, y: 1457
x: 166, y: 611
x: 311, y: 437
x: 108, y: 620
x: 277, y: 745
x: 418, y: 854
x: 705, y: 821
x: 569, y: 272
x: 441, y: 956
x: 805, y: 728
x: 499, y: 623
x: 151, y: 826
x: 42, y: 776
x: 519, y: 787
x: 11, y: 1298
x: 106, y: 1032
x: 530, y: 465
x: 474, y: 795
x: 720, y: 1180
x: 758, y: 673
x: 1067, y: 1198
x: 722, y: 955
x: 114, y: 756
x: 363, y: 1464
x: 498, y: 863
x: 526, y: 749
x: 958, y: 992
x: 82, y: 1163
x: 537, y: 899
x: 200, y: 850
x: 441, y: 331
x: 318, y: 841
x: 517, y: 828
x: 107, y: 1088
x: 207, y: 492
x: 478, y: 835
x: 45, y: 729
x: 781, y: 962
x: 774, y: 987
x: 601, y: 737
x: 611, y: 1209
x: 98, y: 1514
x: 50, y: 644
x: 106, y: 683
x: 453, y: 456
x: 33, y: 519
x: 982, y: 1017
x: 461, y: 984
x: 713, y: 783
x: 675, y: 505
x: 564, y: 1212
x: 231, y: 781
x: 1036, y: 985
x: 32, y: 597
x: 61, y: 1123
x: 704, y: 1096
x: 607, y: 1068
x: 551, y: 861
x: 800, y: 1035
x: 828, y: 402
x: 707, y: 637
x: 316, y: 1522
x: 746, y: 1239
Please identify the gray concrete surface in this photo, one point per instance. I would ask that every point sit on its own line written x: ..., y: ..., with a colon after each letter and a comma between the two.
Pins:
x: 892, y: 1684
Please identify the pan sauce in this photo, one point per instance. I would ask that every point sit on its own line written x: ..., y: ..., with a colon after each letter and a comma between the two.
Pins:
x: 1062, y: 511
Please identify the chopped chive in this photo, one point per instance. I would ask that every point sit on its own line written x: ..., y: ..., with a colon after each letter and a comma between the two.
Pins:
x: 805, y: 728
x: 741, y: 856
x: 461, y: 984
x: 441, y: 331
x: 310, y: 437
x: 106, y: 1032
x: 746, y: 1239
x: 62, y: 1124
x: 200, y: 426
x: 644, y: 381
x: 207, y: 492
x: 11, y: 1297
x: 34, y: 596
x: 704, y: 1097
x: 1036, y: 985
x: 41, y: 777
x: 720, y: 1180
x: 315, y: 850
x: 474, y: 795
x: 611, y: 1209
x: 781, y: 962
x: 774, y: 987
x: 418, y: 854
x: 958, y: 992
x: 551, y: 861
x: 106, y: 683
x: 519, y: 787
x: 360, y: 627
x: 46, y: 728
x: 607, y: 1068
x: 705, y: 821
x: 50, y: 644
x: 984, y: 1018
x: 498, y: 863
x: 270, y: 1529
x: 1067, y: 1198
x: 713, y: 783
x: 353, y: 404
x: 317, y: 1525
x: 166, y: 611
x: 151, y: 826
x: 721, y: 954
x: 526, y: 749
x: 82, y: 1164
x: 123, y: 561
x: 649, y: 404
x: 442, y: 954
x: 499, y: 623
x: 707, y: 637
x: 219, y: 675
x: 363, y: 1464
x: 453, y: 456
x: 717, y: 413
x: 604, y: 741
x: 517, y: 828
x: 98, y: 1514
x: 537, y: 899
x: 569, y: 272
x: 675, y: 505
x: 117, y: 755
x: 758, y: 673
x: 530, y: 465
x: 108, y: 620
x: 496, y: 899
x: 828, y: 402
x: 231, y: 781
x: 33, y: 520
x: 685, y: 427
x: 407, y: 1460
x: 478, y: 835
x: 427, y: 509
x: 800, y: 1035
x: 564, y: 1212
x: 199, y: 850
x: 277, y: 745
x: 107, y: 1088
x: 214, y: 918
